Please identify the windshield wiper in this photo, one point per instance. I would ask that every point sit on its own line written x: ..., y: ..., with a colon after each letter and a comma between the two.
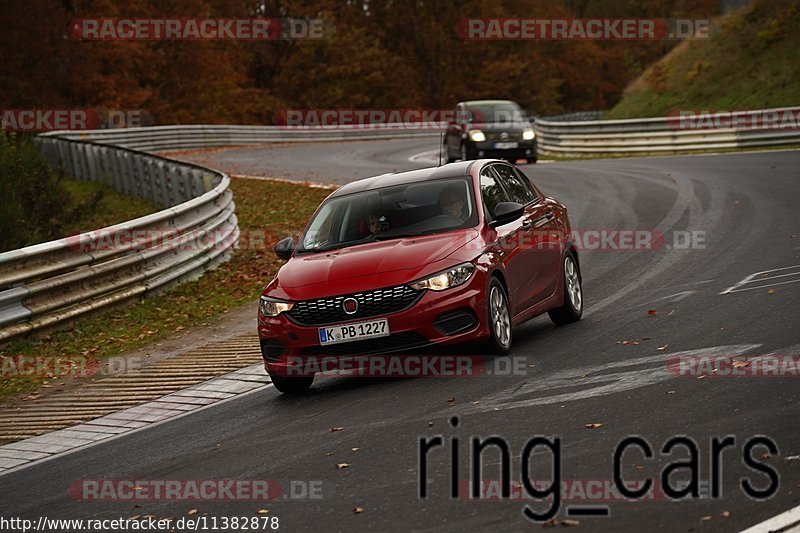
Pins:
x: 401, y: 235
x: 336, y: 246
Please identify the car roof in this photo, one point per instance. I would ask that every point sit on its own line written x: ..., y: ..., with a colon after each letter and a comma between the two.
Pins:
x: 451, y: 170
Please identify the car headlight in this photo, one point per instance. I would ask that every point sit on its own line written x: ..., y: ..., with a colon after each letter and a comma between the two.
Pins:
x: 477, y: 136
x: 446, y: 279
x: 273, y: 307
x: 528, y: 134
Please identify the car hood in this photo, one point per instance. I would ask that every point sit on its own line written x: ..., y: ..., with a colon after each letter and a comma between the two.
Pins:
x: 358, y: 267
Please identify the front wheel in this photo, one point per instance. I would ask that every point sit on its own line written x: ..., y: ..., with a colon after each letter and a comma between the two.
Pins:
x: 499, y: 318
x: 291, y: 385
x: 572, y: 309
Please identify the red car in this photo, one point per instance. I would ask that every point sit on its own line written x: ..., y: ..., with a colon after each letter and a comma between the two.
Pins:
x: 401, y: 262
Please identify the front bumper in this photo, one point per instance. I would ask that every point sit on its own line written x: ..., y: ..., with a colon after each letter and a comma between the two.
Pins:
x: 487, y: 149
x: 437, y: 318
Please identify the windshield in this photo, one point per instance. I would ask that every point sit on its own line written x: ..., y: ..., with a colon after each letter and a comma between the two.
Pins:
x: 391, y: 212
x: 502, y: 113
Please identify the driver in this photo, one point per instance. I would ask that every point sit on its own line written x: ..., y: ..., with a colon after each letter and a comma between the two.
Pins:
x: 451, y: 202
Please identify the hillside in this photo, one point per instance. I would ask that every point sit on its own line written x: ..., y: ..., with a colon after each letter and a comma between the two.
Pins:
x: 751, y: 61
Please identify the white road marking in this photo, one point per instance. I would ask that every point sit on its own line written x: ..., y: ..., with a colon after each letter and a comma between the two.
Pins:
x: 432, y: 157
x: 595, y: 381
x: 759, y: 277
x: 787, y: 522
x: 677, y: 297
x: 428, y: 156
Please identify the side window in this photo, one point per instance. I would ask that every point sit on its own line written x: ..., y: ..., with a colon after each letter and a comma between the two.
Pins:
x: 526, y: 180
x: 491, y: 191
x: 518, y: 188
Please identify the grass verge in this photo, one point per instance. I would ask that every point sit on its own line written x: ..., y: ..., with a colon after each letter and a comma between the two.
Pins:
x: 751, y: 61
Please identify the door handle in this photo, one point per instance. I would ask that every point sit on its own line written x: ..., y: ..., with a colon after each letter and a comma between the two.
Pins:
x: 544, y: 219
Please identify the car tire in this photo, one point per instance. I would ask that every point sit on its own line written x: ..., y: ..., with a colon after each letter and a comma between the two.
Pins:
x: 499, y: 317
x: 572, y: 309
x: 532, y: 160
x: 465, y: 153
x: 291, y: 385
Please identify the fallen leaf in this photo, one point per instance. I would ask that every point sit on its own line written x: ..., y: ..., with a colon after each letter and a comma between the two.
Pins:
x: 741, y: 364
x: 652, y: 312
x: 670, y: 392
x: 263, y: 511
x: 568, y: 523
x: 342, y: 465
x: 706, y: 518
x: 704, y: 376
x: 430, y: 424
x: 635, y: 342
x: 335, y: 429
x: 672, y: 312
x: 626, y: 342
x: 328, y: 454
x: 451, y: 401
x: 355, y: 449
x: 550, y: 523
x: 475, y: 402
x: 192, y: 511
x: 766, y: 456
x: 662, y: 348
x: 725, y: 514
x: 358, y: 510
x: 771, y: 291
x: 593, y: 425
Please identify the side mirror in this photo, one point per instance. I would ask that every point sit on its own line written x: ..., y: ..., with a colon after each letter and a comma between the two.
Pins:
x: 284, y: 248
x: 506, y: 212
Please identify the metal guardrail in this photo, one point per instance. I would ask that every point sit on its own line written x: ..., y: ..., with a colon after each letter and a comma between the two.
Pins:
x: 165, y: 138
x: 663, y: 135
x: 50, y: 284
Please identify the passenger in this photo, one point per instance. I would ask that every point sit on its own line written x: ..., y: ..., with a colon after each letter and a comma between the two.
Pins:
x: 451, y: 202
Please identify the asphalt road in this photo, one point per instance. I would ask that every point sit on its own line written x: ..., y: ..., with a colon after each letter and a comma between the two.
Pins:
x: 745, y: 207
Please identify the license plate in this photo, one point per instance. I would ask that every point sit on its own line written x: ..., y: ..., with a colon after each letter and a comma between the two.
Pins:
x: 353, y: 332
x: 505, y: 146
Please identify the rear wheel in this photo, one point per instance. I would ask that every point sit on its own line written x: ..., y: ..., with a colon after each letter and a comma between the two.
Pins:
x: 531, y: 160
x: 291, y: 385
x: 572, y: 309
x: 466, y: 153
x: 448, y: 157
x: 499, y: 317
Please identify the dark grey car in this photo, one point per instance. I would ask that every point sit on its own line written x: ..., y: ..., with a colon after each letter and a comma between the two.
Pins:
x: 490, y: 129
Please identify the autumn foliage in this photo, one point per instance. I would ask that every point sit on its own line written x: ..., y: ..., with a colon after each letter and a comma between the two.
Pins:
x: 380, y: 54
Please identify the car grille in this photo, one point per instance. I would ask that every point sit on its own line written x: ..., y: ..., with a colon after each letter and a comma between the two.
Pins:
x: 407, y: 340
x: 496, y: 136
x: 371, y: 303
